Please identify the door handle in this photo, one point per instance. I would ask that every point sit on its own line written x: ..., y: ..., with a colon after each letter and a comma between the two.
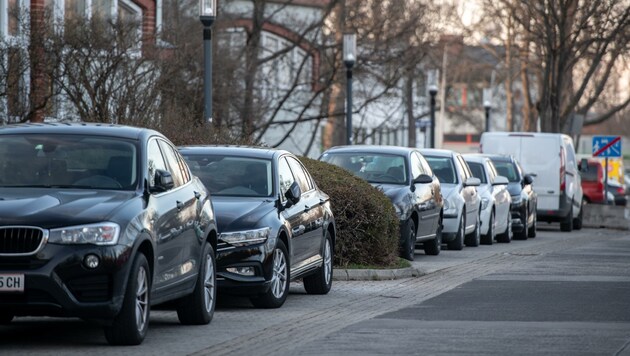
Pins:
x: 180, y: 205
x: 322, y: 201
x: 197, y: 195
x: 298, y: 230
x: 307, y: 208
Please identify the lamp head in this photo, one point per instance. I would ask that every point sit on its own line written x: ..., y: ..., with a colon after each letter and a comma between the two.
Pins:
x: 207, y: 12
x: 349, y: 49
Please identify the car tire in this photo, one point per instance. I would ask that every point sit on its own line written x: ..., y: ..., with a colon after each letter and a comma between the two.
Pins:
x: 198, y: 307
x: 279, y: 288
x: 408, y: 240
x: 531, y: 232
x: 433, y: 247
x: 5, y: 318
x: 506, y: 236
x: 577, y: 222
x: 567, y: 223
x: 488, y: 238
x: 458, y: 243
x: 132, y: 322
x: 321, y: 281
x: 522, y: 235
x: 474, y: 238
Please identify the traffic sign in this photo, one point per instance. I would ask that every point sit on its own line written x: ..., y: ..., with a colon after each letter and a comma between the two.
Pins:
x: 606, y: 146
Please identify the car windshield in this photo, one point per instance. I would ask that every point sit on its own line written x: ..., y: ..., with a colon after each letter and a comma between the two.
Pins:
x: 443, y: 169
x: 478, y: 171
x: 373, y: 167
x: 508, y: 170
x: 232, y: 175
x: 67, y: 161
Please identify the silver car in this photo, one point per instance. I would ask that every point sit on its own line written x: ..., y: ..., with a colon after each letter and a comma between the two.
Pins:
x: 461, y: 201
x: 496, y: 220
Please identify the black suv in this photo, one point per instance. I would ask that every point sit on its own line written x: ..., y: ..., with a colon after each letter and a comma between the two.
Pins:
x: 101, y: 222
x: 524, y: 198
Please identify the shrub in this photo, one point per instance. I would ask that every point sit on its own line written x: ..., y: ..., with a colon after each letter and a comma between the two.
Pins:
x: 367, y: 225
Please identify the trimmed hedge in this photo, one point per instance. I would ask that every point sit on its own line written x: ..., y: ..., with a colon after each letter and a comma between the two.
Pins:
x: 367, y: 225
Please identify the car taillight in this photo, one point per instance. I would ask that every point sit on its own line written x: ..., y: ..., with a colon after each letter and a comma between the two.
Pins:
x: 620, y: 190
x: 562, y: 178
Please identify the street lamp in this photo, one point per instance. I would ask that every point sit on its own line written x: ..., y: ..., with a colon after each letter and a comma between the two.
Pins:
x: 349, y: 58
x: 432, y: 87
x: 207, y: 15
x: 487, y: 104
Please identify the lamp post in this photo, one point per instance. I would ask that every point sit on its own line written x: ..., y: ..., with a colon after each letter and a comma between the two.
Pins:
x: 432, y: 87
x: 349, y: 58
x: 487, y: 104
x: 207, y: 15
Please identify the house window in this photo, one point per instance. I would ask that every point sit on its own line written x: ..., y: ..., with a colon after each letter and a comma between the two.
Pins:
x: 102, y: 9
x: 74, y: 9
x: 287, y: 63
x: 14, y: 13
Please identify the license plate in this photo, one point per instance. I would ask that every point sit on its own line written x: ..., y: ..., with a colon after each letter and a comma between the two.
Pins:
x: 12, y: 283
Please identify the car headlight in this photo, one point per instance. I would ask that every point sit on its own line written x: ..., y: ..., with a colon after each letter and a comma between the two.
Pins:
x: 450, y: 207
x: 96, y: 234
x: 246, y: 237
x: 516, y: 202
x: 484, y: 203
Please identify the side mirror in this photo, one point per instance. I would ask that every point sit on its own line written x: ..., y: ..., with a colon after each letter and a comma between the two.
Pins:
x: 163, y: 181
x: 423, y: 179
x: 472, y: 182
x: 500, y: 180
x: 293, y: 194
x: 583, y: 166
x: 528, y: 179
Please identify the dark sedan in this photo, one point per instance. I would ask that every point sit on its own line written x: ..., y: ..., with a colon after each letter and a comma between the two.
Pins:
x: 406, y: 178
x: 101, y: 222
x: 275, y: 225
x: 524, y: 198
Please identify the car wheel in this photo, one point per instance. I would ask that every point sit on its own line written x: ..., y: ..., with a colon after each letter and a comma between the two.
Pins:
x: 5, y: 318
x: 198, y: 307
x: 488, y: 238
x: 522, y: 235
x: 577, y: 222
x: 279, y: 288
x: 458, y: 243
x: 321, y: 281
x: 130, y: 325
x: 531, y: 232
x: 567, y: 223
x: 474, y: 238
x: 433, y: 247
x: 408, y: 241
x: 506, y: 236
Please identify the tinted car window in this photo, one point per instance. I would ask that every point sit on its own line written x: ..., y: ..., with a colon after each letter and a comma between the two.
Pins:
x: 156, y: 160
x: 443, y: 168
x: 299, y: 174
x: 171, y: 159
x: 478, y: 171
x: 232, y: 175
x: 373, y: 167
x: 416, y: 166
x: 591, y: 173
x: 285, y: 176
x: 508, y: 170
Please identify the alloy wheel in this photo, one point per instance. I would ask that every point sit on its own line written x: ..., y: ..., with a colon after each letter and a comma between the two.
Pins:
x: 142, y: 300
x: 278, y: 281
x: 208, y: 283
x: 327, y: 262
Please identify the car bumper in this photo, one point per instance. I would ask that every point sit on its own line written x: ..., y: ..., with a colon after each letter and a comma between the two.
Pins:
x: 485, y: 220
x: 56, y: 282
x: 259, y: 258
x: 449, y: 228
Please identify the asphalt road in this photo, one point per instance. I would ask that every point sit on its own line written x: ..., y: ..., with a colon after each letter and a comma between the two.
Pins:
x: 560, y: 294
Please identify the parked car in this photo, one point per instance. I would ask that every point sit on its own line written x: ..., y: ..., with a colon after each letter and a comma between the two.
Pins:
x: 462, y: 203
x: 618, y: 192
x: 275, y: 225
x: 102, y: 222
x: 592, y: 174
x: 496, y: 219
x: 408, y: 181
x: 551, y: 158
x: 524, y: 198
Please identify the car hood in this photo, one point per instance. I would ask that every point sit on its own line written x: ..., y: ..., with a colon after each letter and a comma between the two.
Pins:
x: 49, y: 208
x: 234, y: 214
x: 392, y: 191
x: 449, y: 189
x: 514, y: 188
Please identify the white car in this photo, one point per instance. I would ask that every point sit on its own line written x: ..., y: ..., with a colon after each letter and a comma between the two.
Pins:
x: 461, y: 224
x: 496, y: 220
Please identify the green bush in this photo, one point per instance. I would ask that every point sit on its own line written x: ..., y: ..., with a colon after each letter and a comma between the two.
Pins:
x: 367, y: 225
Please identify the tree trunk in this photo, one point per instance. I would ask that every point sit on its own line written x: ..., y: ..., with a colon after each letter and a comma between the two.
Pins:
x: 335, y: 130
x: 411, y: 121
x: 251, y: 65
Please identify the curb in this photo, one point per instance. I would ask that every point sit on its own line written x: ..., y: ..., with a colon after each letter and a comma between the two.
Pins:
x: 341, y: 274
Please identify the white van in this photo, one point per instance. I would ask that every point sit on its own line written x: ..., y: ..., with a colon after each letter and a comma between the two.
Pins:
x: 550, y: 158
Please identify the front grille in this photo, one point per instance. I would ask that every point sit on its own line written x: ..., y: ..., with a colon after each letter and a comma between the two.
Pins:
x: 91, y: 289
x: 20, y: 240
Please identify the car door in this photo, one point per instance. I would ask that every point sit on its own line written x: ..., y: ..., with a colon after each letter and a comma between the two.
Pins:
x: 469, y: 194
x: 573, y: 179
x: 501, y: 197
x: 423, y: 198
x: 307, y: 246
x: 293, y: 215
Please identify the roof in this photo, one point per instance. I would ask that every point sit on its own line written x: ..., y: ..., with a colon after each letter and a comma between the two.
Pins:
x: 437, y: 152
x: 498, y: 157
x: 129, y: 132
x: 475, y: 157
x: 229, y: 150
x: 393, y: 150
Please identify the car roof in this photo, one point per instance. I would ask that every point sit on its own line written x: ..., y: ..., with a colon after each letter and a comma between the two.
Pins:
x: 232, y: 150
x: 84, y: 128
x: 395, y: 150
x: 437, y: 152
x: 498, y: 157
x: 475, y: 157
